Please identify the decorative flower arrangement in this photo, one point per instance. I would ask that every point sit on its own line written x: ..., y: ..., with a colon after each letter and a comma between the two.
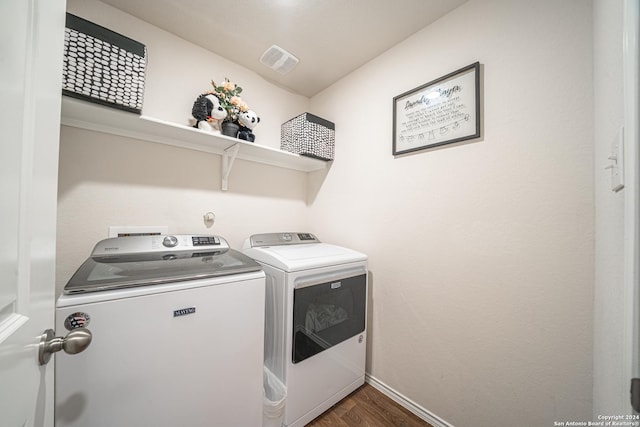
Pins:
x: 228, y: 93
x: 222, y: 110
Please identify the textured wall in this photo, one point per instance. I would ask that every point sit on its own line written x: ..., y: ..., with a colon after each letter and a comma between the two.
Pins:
x: 481, y: 254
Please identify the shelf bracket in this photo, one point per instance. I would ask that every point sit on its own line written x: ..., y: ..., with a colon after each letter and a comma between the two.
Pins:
x: 228, y: 156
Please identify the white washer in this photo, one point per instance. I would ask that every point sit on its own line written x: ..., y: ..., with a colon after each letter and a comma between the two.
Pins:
x: 315, y: 336
x: 178, y: 327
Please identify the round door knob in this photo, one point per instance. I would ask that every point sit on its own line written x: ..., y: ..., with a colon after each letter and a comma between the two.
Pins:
x: 75, y: 342
x: 170, y: 241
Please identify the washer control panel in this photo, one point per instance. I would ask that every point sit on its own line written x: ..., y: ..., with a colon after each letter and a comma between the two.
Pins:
x: 159, y: 243
x: 288, y: 238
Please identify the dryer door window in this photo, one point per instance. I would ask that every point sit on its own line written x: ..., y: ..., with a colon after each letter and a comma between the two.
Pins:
x: 326, y: 314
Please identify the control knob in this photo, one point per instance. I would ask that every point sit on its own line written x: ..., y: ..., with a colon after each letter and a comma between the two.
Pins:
x: 170, y: 241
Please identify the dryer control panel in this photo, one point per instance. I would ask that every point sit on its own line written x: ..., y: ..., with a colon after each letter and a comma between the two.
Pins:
x: 287, y: 238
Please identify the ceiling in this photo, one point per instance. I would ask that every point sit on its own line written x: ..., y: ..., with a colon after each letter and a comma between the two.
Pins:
x: 331, y: 38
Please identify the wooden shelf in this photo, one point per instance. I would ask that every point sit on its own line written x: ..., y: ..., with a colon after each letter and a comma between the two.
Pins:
x: 86, y: 115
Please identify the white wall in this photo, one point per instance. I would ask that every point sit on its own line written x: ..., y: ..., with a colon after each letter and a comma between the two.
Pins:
x: 106, y: 180
x: 610, y: 385
x: 481, y: 254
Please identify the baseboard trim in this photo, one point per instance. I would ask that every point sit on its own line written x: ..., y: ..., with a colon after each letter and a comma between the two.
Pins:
x: 406, y: 403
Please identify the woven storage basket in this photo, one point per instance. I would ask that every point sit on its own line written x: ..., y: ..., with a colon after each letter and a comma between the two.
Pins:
x: 308, y: 135
x: 102, y: 66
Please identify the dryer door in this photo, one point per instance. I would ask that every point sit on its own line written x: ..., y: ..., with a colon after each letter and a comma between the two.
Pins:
x: 327, y: 313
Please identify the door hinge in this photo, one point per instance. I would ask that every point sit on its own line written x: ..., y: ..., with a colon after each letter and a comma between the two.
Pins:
x: 635, y: 394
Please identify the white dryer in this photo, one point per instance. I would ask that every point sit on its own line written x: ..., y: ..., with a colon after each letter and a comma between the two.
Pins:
x: 177, y: 324
x: 315, y: 325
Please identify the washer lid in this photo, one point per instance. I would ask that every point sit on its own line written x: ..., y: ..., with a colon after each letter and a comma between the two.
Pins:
x: 303, y: 256
x: 126, y: 262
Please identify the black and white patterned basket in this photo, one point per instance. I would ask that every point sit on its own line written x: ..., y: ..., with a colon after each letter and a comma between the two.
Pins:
x: 102, y: 66
x: 308, y: 135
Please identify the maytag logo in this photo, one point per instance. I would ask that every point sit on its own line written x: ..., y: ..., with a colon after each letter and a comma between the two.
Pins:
x: 184, y: 311
x: 336, y: 285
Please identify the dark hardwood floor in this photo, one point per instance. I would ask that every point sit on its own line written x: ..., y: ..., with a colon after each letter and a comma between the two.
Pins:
x: 367, y: 407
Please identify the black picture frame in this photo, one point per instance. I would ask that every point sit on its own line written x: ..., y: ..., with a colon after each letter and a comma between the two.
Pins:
x: 443, y: 111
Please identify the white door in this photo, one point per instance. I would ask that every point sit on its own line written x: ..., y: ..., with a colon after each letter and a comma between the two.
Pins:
x: 31, y: 43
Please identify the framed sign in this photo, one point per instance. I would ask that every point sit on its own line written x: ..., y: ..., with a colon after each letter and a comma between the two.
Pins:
x: 440, y: 112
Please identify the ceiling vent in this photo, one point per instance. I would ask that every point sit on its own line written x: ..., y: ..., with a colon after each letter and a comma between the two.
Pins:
x: 279, y: 59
